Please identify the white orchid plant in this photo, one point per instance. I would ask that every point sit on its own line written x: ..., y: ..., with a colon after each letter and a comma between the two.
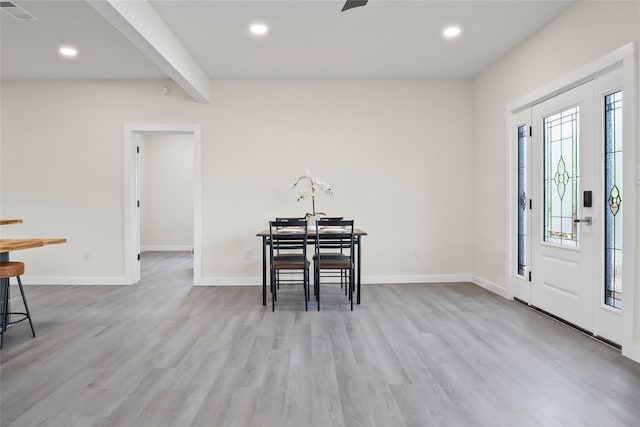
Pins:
x: 311, y: 184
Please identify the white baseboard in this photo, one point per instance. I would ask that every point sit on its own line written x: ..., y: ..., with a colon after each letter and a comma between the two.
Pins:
x: 229, y: 281
x: 166, y: 249
x: 93, y: 280
x: 633, y: 353
x: 415, y: 279
x: 257, y: 281
x: 490, y: 286
x: 366, y: 280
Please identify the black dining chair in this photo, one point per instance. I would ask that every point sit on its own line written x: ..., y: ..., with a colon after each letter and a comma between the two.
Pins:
x: 284, y: 255
x: 288, y: 253
x: 340, y: 274
x: 334, y: 251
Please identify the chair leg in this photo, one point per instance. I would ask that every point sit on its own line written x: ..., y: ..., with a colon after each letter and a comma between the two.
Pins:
x: 343, y: 276
x: 276, y: 285
x: 305, y: 284
x: 26, y: 306
x: 315, y: 282
x: 273, y: 292
x: 351, y: 277
x: 317, y: 287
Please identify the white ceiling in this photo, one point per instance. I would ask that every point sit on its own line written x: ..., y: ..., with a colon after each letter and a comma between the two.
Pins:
x: 307, y: 39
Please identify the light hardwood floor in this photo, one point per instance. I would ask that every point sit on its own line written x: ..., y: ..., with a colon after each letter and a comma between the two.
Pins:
x: 164, y: 354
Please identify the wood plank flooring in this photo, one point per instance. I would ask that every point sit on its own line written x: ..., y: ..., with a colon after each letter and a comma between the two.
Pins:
x: 162, y: 353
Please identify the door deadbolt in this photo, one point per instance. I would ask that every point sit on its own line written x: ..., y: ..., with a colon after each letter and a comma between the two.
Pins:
x: 586, y: 220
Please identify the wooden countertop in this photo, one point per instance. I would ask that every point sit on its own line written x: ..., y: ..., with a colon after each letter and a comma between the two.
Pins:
x: 10, y: 221
x: 8, y: 245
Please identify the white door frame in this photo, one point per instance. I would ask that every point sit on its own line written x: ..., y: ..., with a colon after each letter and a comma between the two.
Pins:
x: 131, y: 220
x: 626, y: 59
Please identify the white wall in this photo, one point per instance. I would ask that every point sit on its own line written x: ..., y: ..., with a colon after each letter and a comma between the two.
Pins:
x: 581, y: 35
x: 566, y: 44
x: 166, y: 192
x: 396, y: 153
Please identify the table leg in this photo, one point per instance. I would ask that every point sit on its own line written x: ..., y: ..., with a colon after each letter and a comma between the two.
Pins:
x: 264, y: 270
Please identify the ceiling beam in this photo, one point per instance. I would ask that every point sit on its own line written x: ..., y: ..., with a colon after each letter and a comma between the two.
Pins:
x: 141, y: 25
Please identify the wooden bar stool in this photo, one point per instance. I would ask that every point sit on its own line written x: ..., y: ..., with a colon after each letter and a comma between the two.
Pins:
x: 8, y: 270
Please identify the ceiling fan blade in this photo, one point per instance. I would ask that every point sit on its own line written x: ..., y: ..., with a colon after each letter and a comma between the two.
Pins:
x: 350, y: 4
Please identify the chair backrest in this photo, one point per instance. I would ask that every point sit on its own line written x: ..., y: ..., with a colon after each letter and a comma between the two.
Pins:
x: 289, y: 219
x: 288, y: 237
x: 334, y: 234
x: 330, y: 218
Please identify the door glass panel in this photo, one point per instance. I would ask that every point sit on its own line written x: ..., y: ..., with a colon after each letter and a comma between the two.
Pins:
x: 613, y: 199
x: 561, y: 177
x: 522, y: 200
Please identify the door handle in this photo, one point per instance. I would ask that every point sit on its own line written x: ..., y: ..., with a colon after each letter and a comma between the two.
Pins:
x: 587, y: 220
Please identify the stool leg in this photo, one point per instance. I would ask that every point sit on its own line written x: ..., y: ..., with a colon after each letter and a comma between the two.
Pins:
x: 5, y: 306
x: 26, y: 307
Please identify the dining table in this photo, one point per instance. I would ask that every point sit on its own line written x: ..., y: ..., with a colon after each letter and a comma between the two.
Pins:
x: 311, y: 233
x: 10, y: 245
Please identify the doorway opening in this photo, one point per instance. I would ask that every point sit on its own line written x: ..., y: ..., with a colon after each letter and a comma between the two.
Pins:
x: 162, y: 196
x: 165, y: 170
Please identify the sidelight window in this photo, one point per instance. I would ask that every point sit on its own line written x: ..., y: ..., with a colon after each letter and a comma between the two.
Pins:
x: 613, y: 199
x: 522, y: 200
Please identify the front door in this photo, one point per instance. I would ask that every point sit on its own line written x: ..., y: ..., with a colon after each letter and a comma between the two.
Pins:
x: 576, y: 207
x: 564, y: 221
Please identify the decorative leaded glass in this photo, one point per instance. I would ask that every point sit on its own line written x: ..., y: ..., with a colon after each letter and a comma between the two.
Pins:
x: 613, y: 199
x: 522, y: 200
x: 561, y: 177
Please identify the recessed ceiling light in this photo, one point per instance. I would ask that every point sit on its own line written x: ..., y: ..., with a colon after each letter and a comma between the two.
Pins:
x: 258, y: 29
x: 451, y: 32
x: 68, y: 52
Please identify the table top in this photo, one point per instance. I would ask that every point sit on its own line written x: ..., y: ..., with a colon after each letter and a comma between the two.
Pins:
x: 8, y: 245
x: 312, y: 233
x: 10, y: 221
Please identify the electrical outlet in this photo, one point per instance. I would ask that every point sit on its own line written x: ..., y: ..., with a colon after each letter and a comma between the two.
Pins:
x: 88, y: 255
x: 248, y: 254
x: 418, y: 251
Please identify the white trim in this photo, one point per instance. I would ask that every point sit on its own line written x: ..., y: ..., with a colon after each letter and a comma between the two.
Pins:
x: 618, y: 58
x: 511, y: 214
x: 366, y: 280
x: 624, y: 57
x: 131, y: 266
x: 630, y: 314
x: 89, y: 281
x: 633, y: 353
x: 257, y: 280
x: 230, y: 281
x: 166, y: 248
x: 416, y: 279
x: 492, y: 287
x: 511, y: 277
